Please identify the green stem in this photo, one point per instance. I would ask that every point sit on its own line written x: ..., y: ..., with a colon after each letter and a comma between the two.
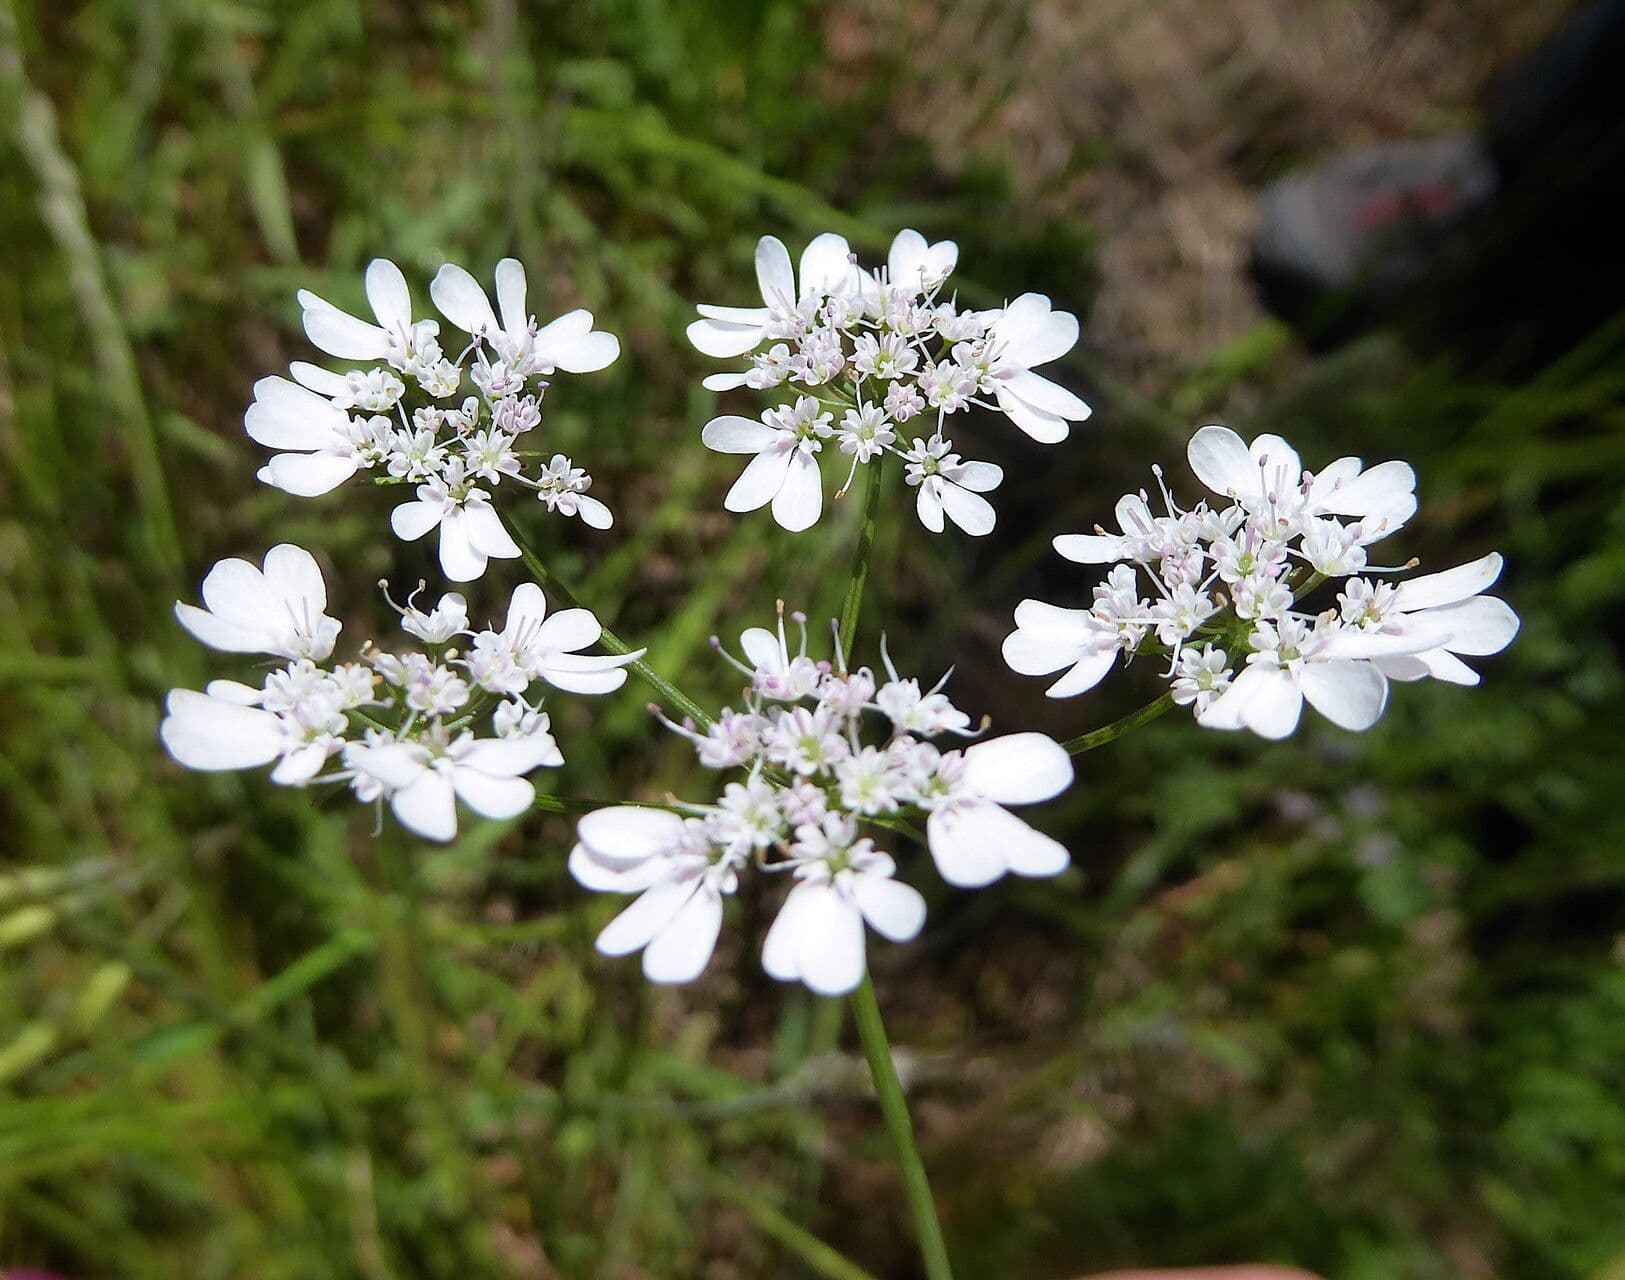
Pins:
x: 889, y: 1091
x: 554, y: 586
x: 1117, y: 728
x: 860, y: 558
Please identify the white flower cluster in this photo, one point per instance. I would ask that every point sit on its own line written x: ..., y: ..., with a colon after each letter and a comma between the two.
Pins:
x: 812, y: 787
x: 867, y: 358
x: 451, y: 447
x: 420, y: 729
x: 1228, y: 583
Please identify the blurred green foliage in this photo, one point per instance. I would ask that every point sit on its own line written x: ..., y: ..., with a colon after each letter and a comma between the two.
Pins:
x: 1357, y: 1004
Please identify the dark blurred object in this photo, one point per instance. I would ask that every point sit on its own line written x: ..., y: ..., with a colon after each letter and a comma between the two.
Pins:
x: 1506, y: 243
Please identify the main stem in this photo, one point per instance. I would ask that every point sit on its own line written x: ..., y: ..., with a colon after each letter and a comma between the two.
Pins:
x: 1117, y: 728
x: 893, y: 1106
x: 556, y: 587
x: 853, y: 604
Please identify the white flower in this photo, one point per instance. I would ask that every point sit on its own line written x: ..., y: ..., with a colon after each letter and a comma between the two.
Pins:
x: 951, y: 488
x: 749, y: 816
x: 1201, y: 676
x: 913, y: 711
x: 679, y: 875
x: 826, y: 269
x: 805, y: 740
x: 278, y: 610
x: 1450, y: 609
x: 1087, y: 641
x: 471, y: 532
x: 222, y: 728
x: 1268, y: 480
x: 562, y: 486
x: 424, y: 779
x: 887, y: 357
x: 371, y: 390
x: 841, y: 882
x: 784, y: 471
x: 973, y: 838
x: 543, y: 647
x: 1136, y: 541
x: 1028, y: 333
x: 324, y: 452
x: 569, y: 343
x: 1292, y: 662
x: 394, y: 338
x: 448, y: 618
x: 864, y: 433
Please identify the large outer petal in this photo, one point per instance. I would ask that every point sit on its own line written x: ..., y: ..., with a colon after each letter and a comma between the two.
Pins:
x: 1351, y: 695
x: 387, y: 292
x: 724, y: 340
x: 460, y: 559
x: 774, y: 275
x: 462, y: 301
x: 681, y: 950
x: 1018, y: 768
x: 340, y: 334
x: 212, y: 734
x: 1030, y: 332
x: 514, y: 314
x: 307, y: 475
x: 576, y: 352
x: 1046, y: 428
x: 1477, y: 626
x: 827, y: 266
x: 285, y: 415
x: 626, y: 834
x: 760, y: 481
x: 893, y: 909
x: 1449, y: 586
x: 970, y: 511
x: 829, y: 941
x: 428, y: 806
x: 651, y: 912
x: 1047, y: 638
x: 732, y: 434
x: 1220, y: 459
x: 1048, y: 397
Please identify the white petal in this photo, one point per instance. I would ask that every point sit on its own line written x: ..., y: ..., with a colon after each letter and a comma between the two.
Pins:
x: 978, y: 477
x: 428, y: 806
x: 760, y: 481
x: 603, y: 877
x: 1046, y: 396
x: 1276, y: 460
x: 490, y: 795
x: 1018, y: 768
x: 774, y: 275
x: 1046, y: 428
x: 487, y: 534
x: 781, y: 958
x: 460, y: 560
x: 1387, y: 487
x: 1086, y: 673
x: 594, y: 514
x: 970, y: 511
x: 235, y: 589
x: 680, y: 951
x: 307, y: 475
x: 292, y: 575
x: 587, y: 353
x: 1032, y: 333
x: 1477, y: 627
x: 1220, y: 460
x: 300, y: 765
x: 387, y: 292
x: 285, y: 415
x: 957, y: 839
x: 567, y: 630
x: 733, y: 434
x: 724, y: 341
x: 234, y: 691
x: 1351, y: 695
x: 651, y: 912
x: 340, y: 334
x: 396, y: 764
x: 462, y: 301
x: 1449, y: 586
x: 211, y: 734
x: 827, y: 266
x: 1443, y: 665
x: 1090, y: 548
x: 894, y: 910
x: 1047, y: 637
x: 829, y: 942
x: 324, y: 382
x: 928, y: 505
x: 761, y: 648
x: 590, y: 674
x: 218, y: 633
x: 1271, y: 701
x: 511, y: 296
x: 411, y: 520
x: 800, y: 499
x: 724, y: 381
x: 626, y: 834
x: 510, y: 757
